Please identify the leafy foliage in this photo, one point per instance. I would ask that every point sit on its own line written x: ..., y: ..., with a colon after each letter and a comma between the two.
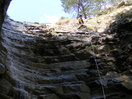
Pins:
x: 87, y: 7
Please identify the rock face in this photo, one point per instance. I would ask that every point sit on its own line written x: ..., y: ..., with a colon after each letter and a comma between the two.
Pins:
x: 42, y: 65
x: 2, y: 69
x: 49, y: 63
x: 3, y: 8
x: 102, y: 23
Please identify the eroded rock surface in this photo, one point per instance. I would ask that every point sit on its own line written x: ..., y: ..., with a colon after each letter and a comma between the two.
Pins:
x: 44, y: 62
x: 2, y: 69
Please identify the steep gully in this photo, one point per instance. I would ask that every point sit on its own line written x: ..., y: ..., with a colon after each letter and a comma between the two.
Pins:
x: 45, y: 64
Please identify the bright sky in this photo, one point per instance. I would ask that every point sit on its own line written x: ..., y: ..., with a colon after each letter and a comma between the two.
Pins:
x: 43, y: 11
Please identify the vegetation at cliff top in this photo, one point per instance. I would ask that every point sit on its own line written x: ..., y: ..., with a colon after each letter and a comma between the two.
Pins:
x: 88, y: 7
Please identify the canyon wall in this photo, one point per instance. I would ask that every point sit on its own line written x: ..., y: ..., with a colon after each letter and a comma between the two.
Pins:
x: 40, y: 62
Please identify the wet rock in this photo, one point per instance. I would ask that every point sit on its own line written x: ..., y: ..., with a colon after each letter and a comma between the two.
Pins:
x: 2, y: 69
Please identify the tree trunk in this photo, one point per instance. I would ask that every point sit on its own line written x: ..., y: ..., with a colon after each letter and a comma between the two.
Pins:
x: 81, y: 8
x: 84, y: 12
x: 79, y: 5
x: 78, y: 10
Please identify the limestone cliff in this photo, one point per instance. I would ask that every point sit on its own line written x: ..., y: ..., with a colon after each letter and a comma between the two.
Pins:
x: 40, y: 61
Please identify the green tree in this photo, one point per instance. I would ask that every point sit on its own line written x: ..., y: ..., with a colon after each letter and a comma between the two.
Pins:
x: 79, y: 6
x: 86, y: 7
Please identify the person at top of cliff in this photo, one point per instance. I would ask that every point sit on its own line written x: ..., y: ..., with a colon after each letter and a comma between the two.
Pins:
x: 80, y: 20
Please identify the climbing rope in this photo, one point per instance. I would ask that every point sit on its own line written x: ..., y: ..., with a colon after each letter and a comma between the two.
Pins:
x: 98, y: 71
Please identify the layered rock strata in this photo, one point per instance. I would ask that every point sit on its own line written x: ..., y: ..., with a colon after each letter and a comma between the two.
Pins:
x: 39, y: 62
x: 43, y: 63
